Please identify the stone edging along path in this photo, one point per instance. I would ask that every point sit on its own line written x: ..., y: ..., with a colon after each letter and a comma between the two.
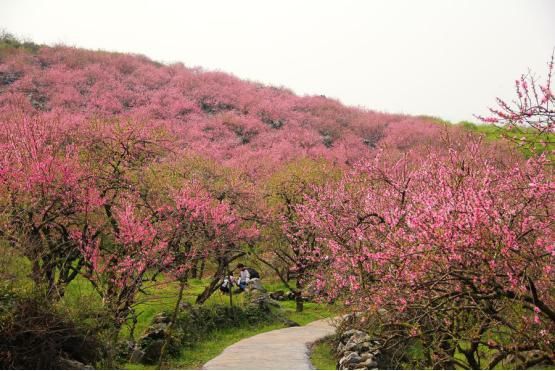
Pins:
x: 285, y: 349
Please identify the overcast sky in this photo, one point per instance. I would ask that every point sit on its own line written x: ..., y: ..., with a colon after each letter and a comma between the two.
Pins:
x: 442, y: 58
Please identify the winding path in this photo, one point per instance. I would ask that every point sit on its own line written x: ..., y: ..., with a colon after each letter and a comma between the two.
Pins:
x: 285, y: 349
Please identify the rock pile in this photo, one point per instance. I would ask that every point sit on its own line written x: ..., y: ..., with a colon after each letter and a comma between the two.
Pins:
x: 257, y: 295
x: 357, y: 351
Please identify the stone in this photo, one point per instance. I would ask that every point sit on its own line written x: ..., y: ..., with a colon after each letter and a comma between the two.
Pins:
x: 350, y: 346
x: 152, y: 350
x: 155, y: 331
x: 291, y: 295
x: 290, y: 323
x: 369, y: 363
x: 261, y: 299
x: 255, y: 284
x: 72, y: 364
x: 360, y: 337
x: 366, y: 356
x: 362, y: 347
x: 161, y: 318
x: 136, y: 356
x: 350, y: 359
x: 278, y: 295
x: 347, y: 334
x: 340, y: 348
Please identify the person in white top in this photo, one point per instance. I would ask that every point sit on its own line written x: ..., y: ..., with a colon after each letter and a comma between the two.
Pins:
x: 244, y: 276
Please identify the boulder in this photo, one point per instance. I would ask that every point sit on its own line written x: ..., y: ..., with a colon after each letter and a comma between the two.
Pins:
x: 161, y: 318
x: 150, y: 344
x: 255, y: 284
x: 72, y: 364
x: 290, y: 323
x: 261, y: 299
x: 152, y: 350
x: 137, y: 356
x: 155, y: 331
x: 278, y: 295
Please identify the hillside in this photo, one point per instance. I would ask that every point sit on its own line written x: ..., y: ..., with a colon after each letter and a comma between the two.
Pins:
x: 134, y: 195
x: 234, y: 121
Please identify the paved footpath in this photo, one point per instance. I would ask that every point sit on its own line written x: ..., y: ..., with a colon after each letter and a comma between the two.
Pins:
x: 285, y: 349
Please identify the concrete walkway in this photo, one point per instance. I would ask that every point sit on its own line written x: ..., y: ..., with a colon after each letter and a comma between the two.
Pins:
x: 284, y: 349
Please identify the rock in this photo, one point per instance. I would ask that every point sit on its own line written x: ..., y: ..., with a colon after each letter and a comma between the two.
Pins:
x: 369, y: 363
x: 155, y: 331
x: 366, y: 356
x: 358, y: 349
x: 291, y: 295
x: 362, y: 347
x: 350, y: 359
x: 278, y: 295
x: 261, y: 299
x: 290, y: 323
x: 150, y: 344
x: 161, y: 318
x: 136, y: 356
x: 347, y: 334
x: 360, y: 337
x: 152, y: 350
x: 72, y: 364
x: 255, y: 284
x: 350, y: 346
x: 340, y: 348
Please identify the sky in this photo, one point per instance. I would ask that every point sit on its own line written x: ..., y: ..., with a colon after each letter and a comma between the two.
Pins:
x: 445, y: 58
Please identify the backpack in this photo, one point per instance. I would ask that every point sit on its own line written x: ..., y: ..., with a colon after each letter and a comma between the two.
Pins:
x: 253, y: 273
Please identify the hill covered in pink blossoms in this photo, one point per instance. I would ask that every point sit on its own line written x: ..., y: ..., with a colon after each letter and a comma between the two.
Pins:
x: 236, y: 122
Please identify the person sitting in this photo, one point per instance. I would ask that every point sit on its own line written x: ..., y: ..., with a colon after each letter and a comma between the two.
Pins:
x: 227, y: 284
x: 246, y: 274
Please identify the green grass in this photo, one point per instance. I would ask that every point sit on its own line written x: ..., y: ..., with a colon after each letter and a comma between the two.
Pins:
x: 161, y: 296
x: 194, y: 357
x: 493, y: 133
x: 322, y: 355
x: 217, y: 341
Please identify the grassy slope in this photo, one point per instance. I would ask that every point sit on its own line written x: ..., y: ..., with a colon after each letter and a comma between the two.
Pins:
x: 80, y: 296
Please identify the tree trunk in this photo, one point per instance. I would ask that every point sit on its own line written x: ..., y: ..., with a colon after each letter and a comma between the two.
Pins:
x: 202, y: 267
x: 299, y: 302
x: 194, y: 269
x: 182, y: 285
x: 111, y: 350
x: 299, y: 296
x: 213, y: 286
